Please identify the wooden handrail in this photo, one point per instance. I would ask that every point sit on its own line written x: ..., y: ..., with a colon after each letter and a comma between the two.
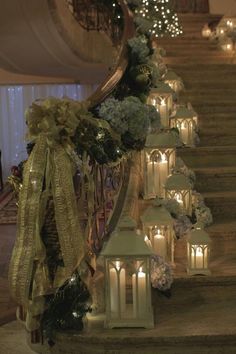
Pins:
x: 115, y: 76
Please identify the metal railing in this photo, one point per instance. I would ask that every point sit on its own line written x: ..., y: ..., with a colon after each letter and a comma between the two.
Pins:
x: 94, y: 15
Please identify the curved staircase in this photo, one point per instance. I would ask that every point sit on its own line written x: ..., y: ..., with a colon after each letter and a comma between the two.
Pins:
x: 200, y: 317
x: 210, y: 81
x: 57, y: 46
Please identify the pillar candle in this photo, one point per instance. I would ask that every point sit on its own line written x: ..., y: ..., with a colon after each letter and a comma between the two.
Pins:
x: 184, y: 132
x: 159, y: 244
x: 117, y: 296
x: 163, y: 173
x: 140, y: 293
x: 199, y: 258
x: 163, y: 109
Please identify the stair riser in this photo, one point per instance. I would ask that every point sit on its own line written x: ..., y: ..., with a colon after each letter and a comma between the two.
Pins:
x: 218, y: 140
x: 222, y: 209
x: 210, y: 159
x: 212, y: 108
x: 198, y: 84
x: 195, y: 60
x: 215, y: 182
x: 225, y: 126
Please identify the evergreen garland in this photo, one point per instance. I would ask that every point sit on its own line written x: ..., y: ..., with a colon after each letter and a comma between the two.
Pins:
x: 66, y: 309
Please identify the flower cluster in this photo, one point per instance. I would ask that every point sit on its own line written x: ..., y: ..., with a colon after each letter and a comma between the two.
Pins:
x: 161, y: 274
x: 139, y: 49
x: 130, y: 117
x: 201, y: 211
x: 182, y: 226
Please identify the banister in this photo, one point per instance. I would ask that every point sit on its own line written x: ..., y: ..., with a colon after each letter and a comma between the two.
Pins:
x: 106, y: 87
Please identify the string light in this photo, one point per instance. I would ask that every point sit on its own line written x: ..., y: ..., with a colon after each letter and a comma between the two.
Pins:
x: 165, y: 21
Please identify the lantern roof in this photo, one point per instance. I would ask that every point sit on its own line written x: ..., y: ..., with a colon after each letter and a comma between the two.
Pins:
x: 178, y: 181
x: 156, y: 214
x: 161, y: 87
x: 163, y: 139
x: 125, y: 241
x: 171, y: 75
x: 184, y: 112
x: 198, y: 236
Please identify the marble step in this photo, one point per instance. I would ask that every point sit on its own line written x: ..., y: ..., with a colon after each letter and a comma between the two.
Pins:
x: 209, y: 156
x: 199, y: 318
x: 215, y: 179
x: 222, y: 205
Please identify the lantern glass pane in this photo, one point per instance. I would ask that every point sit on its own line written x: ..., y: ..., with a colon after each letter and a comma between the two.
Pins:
x: 186, y: 127
x: 128, y: 289
x: 199, y: 256
x: 183, y: 197
x: 158, y: 167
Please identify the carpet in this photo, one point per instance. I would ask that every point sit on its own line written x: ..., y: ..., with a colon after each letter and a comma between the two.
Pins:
x: 8, y: 209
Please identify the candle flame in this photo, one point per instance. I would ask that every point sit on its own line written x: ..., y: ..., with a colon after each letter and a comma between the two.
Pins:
x: 163, y: 158
x: 163, y: 102
x: 178, y: 198
x: 140, y: 269
x: 118, y: 265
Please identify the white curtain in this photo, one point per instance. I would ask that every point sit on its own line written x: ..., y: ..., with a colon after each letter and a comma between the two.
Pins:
x: 14, y: 100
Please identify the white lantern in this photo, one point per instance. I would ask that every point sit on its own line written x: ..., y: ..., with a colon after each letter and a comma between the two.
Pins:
x: 178, y: 187
x: 158, y: 228
x: 162, y: 98
x: 198, y: 250
x: 206, y: 31
x: 221, y: 29
x: 159, y: 157
x: 127, y: 278
x: 174, y: 81
x: 227, y: 23
x: 186, y: 121
x: 227, y: 44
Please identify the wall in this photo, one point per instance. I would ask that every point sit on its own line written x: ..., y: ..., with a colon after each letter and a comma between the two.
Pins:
x: 225, y: 7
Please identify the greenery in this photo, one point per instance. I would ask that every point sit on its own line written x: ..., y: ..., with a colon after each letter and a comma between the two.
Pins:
x: 66, y: 309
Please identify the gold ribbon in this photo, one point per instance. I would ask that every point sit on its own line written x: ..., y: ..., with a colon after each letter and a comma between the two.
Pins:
x: 50, y: 165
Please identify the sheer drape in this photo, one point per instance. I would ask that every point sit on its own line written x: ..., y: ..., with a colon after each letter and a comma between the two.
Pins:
x: 14, y: 100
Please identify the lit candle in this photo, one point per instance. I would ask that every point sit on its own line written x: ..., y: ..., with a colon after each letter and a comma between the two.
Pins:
x: 152, y: 180
x: 159, y: 244
x: 163, y: 109
x: 139, y: 292
x: 206, y: 32
x: 117, y: 274
x: 179, y: 199
x: 197, y: 258
x: 163, y: 174
x: 229, y: 23
x: 184, y: 132
x: 148, y: 242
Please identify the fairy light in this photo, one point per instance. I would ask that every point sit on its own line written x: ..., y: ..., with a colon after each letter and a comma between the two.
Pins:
x: 165, y: 21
